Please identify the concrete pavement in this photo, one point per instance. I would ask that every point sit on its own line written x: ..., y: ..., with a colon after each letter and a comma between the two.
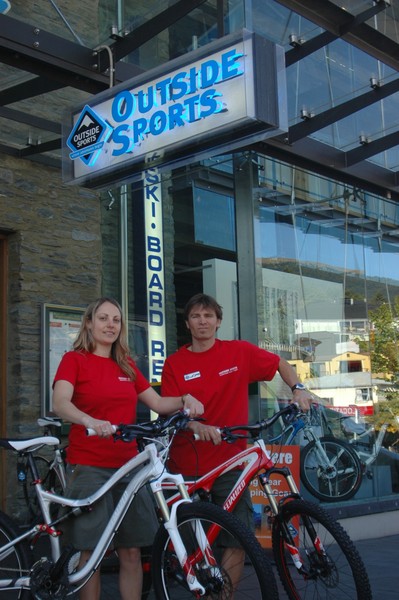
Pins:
x: 380, y: 555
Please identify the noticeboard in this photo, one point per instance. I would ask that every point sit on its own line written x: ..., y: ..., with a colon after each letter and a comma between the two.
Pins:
x: 60, y: 326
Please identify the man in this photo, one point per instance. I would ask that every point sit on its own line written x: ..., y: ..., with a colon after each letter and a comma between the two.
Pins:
x: 217, y: 372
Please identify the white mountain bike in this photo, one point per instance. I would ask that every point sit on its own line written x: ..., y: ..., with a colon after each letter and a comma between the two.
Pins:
x: 194, y: 531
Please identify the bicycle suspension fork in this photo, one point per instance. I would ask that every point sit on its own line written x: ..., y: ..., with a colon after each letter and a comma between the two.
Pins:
x: 286, y: 527
x: 169, y: 516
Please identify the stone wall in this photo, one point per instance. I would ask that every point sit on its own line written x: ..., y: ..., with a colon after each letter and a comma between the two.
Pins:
x: 54, y: 239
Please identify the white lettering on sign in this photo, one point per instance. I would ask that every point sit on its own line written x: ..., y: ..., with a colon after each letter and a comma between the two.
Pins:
x: 155, y: 272
x: 282, y: 458
x: 168, y: 111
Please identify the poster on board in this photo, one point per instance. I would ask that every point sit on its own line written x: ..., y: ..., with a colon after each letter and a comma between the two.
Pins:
x: 60, y: 326
x: 286, y: 456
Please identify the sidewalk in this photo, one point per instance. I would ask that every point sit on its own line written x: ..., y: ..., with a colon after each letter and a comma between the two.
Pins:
x: 380, y: 555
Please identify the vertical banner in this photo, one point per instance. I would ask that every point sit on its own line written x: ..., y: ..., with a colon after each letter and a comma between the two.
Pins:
x: 155, y: 272
x: 287, y: 456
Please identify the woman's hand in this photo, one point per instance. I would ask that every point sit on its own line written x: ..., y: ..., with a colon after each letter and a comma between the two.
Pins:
x: 194, y: 406
x: 102, y: 428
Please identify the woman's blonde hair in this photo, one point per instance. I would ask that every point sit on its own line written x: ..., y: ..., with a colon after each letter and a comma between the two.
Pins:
x: 120, y: 348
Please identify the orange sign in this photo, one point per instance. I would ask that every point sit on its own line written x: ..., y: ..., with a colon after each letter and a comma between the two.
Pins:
x: 285, y: 456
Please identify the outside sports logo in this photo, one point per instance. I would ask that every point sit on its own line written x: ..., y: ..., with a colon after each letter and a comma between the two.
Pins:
x: 88, y: 137
x: 4, y: 6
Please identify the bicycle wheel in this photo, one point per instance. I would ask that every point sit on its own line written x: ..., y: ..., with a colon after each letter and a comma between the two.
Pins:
x: 50, y: 482
x: 14, y: 563
x: 334, y: 575
x: 251, y: 578
x: 331, y: 472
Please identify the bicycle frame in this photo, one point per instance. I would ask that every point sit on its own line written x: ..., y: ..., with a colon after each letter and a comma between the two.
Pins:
x: 152, y: 471
x: 257, y: 458
x: 289, y: 433
x: 368, y: 457
x: 57, y: 464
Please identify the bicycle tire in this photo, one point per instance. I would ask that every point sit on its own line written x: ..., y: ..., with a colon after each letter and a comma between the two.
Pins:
x: 257, y: 579
x: 341, y: 574
x: 339, y: 481
x: 17, y: 561
x: 50, y: 482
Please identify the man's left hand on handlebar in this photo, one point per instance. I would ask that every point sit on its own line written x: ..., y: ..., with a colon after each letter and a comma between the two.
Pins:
x: 303, y: 398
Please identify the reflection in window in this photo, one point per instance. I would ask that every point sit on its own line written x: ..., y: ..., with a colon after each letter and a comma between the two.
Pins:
x: 214, y: 223
x: 328, y: 256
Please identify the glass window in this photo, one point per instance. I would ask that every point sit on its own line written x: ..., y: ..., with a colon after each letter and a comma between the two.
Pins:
x: 328, y: 297
x: 213, y: 219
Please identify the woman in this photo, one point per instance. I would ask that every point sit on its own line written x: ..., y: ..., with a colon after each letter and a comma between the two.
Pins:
x: 96, y: 385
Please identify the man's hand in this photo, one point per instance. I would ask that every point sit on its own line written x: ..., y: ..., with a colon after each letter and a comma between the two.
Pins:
x: 205, y: 433
x: 303, y: 398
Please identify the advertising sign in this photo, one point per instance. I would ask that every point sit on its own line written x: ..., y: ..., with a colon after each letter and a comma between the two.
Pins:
x: 154, y: 272
x: 227, y: 94
x: 354, y: 410
x: 287, y: 456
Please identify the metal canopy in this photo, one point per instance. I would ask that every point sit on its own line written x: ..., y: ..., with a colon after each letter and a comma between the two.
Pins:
x: 51, y: 63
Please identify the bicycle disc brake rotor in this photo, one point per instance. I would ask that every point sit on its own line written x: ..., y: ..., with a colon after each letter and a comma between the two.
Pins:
x: 42, y: 586
x: 326, y: 569
x: 215, y: 580
x: 327, y: 474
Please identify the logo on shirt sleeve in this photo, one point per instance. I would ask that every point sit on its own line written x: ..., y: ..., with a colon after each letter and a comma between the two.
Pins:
x: 189, y: 376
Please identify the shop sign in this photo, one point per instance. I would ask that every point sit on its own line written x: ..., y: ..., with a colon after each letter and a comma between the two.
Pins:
x: 223, y: 96
x: 353, y: 409
x: 155, y: 271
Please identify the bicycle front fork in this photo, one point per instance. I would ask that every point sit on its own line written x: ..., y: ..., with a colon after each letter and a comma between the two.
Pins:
x: 170, y: 522
x: 286, y: 528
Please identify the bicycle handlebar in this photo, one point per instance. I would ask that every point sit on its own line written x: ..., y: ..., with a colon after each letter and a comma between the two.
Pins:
x: 254, y: 430
x: 227, y: 432
x: 161, y: 426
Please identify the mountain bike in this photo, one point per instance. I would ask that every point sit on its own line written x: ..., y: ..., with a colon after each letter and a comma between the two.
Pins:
x: 330, y: 468
x: 314, y: 556
x: 193, y: 530
x: 363, y: 440
x: 51, y: 470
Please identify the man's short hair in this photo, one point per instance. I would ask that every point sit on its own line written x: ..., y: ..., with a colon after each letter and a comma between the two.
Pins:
x: 206, y: 302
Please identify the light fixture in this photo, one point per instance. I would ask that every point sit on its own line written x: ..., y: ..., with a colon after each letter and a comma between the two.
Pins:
x: 363, y: 140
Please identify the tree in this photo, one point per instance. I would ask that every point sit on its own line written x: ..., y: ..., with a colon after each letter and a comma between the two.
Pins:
x: 384, y: 338
x: 387, y: 411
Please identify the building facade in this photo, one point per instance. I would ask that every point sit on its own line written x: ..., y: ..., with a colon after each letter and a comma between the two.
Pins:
x: 296, y: 235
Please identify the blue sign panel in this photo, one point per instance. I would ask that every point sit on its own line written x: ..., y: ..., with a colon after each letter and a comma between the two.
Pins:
x: 4, y: 7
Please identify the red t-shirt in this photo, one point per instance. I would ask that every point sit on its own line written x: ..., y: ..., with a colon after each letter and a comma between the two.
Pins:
x: 103, y: 391
x: 219, y: 378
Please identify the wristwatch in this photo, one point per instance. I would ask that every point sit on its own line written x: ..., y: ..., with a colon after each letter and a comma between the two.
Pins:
x: 298, y: 386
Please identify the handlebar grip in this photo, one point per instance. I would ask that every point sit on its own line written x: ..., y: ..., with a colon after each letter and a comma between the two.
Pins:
x: 90, y: 432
